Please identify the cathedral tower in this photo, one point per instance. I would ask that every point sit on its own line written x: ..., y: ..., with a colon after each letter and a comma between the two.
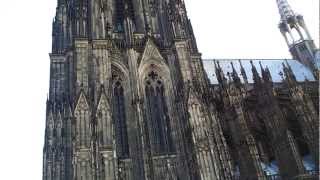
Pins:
x: 297, y: 36
x: 129, y: 100
x: 126, y: 95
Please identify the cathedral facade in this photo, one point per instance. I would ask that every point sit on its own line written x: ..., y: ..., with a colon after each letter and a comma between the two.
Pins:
x: 131, y: 99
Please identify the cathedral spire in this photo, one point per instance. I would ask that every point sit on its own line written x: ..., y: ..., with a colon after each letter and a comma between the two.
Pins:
x: 266, y: 76
x: 289, y: 17
x: 243, y: 73
x: 289, y: 68
x: 289, y: 75
x: 268, y: 73
x: 235, y: 76
x: 219, y: 73
x: 291, y: 22
x: 263, y: 73
x: 255, y: 74
x: 285, y: 10
x: 296, y: 35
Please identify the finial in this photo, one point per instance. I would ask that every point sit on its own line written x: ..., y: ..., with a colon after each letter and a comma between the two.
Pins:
x: 288, y: 71
x: 243, y: 72
x: 262, y: 70
x: 267, y: 71
x: 219, y: 73
x: 266, y: 76
x: 261, y: 67
x: 255, y: 74
x: 232, y: 66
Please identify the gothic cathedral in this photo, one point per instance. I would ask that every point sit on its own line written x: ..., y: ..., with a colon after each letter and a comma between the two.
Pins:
x: 131, y: 99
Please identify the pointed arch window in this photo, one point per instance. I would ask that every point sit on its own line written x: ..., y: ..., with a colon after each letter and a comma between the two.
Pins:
x: 157, y: 115
x: 120, y: 120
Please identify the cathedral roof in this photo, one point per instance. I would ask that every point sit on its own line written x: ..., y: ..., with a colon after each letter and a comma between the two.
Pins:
x: 275, y: 66
x: 317, y: 58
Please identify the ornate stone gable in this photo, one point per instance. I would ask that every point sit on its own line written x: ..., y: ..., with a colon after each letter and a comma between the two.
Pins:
x: 82, y: 103
x: 151, y: 52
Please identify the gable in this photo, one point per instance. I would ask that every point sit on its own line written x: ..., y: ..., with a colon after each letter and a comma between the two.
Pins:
x: 82, y: 103
x: 103, y: 103
x: 151, y: 51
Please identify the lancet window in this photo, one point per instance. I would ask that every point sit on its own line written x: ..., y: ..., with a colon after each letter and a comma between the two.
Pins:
x: 157, y: 115
x: 120, y: 119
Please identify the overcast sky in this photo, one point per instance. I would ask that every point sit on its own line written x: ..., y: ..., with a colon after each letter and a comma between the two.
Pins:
x: 224, y: 29
x: 245, y: 28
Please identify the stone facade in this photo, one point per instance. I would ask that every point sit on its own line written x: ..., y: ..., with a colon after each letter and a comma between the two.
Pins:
x: 130, y: 100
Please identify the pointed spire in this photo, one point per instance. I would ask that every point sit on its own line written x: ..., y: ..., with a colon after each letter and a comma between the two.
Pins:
x: 263, y: 73
x: 266, y: 75
x: 243, y: 72
x: 50, y: 126
x: 67, y: 111
x: 59, y: 124
x: 267, y: 71
x: 82, y: 101
x: 255, y: 74
x: 285, y: 10
x: 219, y: 73
x: 102, y: 100
x: 261, y: 67
x: 291, y: 22
x: 50, y: 117
x: 289, y: 67
x: 289, y: 75
x: 48, y: 106
x: 291, y: 71
x: 234, y: 72
x: 235, y: 76
x: 59, y: 117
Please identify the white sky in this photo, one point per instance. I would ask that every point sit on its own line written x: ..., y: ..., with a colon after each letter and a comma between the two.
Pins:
x: 224, y: 29
x: 245, y: 28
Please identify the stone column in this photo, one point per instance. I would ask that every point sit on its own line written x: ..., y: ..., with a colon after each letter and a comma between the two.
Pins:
x: 109, y: 165
x: 184, y: 59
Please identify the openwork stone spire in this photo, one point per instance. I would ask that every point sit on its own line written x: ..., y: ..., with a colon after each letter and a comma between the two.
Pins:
x: 296, y: 34
x: 285, y: 10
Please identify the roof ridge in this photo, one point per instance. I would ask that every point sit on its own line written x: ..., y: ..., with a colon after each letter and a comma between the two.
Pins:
x: 252, y: 59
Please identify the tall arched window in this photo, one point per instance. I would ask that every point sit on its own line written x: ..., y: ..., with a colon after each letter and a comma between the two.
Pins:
x: 157, y: 114
x: 119, y: 114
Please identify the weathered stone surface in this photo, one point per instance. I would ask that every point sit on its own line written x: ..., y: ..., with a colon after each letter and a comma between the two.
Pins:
x: 130, y: 100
